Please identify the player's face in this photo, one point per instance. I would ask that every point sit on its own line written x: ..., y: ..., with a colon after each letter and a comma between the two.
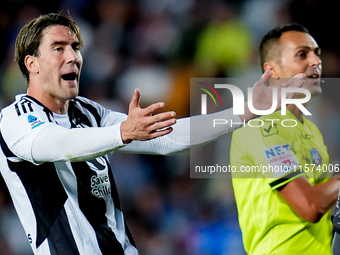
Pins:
x: 300, y: 54
x: 59, y: 63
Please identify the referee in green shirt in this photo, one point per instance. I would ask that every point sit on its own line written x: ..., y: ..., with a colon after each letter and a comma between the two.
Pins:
x: 285, y: 209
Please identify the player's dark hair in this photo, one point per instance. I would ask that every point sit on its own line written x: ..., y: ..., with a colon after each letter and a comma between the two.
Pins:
x: 272, y: 39
x: 29, y: 37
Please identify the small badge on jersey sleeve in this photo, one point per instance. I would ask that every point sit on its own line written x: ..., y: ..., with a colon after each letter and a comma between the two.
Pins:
x: 280, y: 159
x: 34, y: 121
x: 316, y: 157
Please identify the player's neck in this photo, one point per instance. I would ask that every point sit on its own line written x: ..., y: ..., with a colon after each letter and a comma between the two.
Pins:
x: 52, y: 103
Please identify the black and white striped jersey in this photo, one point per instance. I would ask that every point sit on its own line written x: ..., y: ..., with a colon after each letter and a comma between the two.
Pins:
x: 66, y: 207
x: 59, y: 177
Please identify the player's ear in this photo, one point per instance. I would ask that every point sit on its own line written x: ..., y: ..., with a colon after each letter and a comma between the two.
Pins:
x: 271, y: 65
x: 32, y: 64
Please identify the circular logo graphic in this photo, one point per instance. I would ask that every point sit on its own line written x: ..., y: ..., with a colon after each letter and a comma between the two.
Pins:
x: 316, y: 157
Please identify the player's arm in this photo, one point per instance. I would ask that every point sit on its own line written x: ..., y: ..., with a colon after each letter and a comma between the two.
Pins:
x: 311, y: 202
x: 140, y: 124
x: 187, y: 133
x: 55, y: 143
x: 196, y: 130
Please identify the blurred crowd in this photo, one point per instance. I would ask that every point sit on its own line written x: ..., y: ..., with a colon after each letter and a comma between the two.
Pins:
x: 157, y: 46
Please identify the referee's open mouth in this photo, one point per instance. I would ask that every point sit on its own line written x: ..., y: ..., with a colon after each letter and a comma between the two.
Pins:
x: 313, y: 73
x: 314, y: 76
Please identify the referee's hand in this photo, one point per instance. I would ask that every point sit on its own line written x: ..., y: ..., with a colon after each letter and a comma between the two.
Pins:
x: 142, y: 125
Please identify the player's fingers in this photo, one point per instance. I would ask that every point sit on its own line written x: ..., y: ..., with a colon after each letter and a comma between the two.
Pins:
x: 290, y: 95
x: 163, y: 116
x: 162, y: 124
x: 296, y: 81
x: 135, y: 100
x: 152, y: 108
x: 300, y: 81
x: 161, y: 132
x: 267, y: 74
x: 265, y: 78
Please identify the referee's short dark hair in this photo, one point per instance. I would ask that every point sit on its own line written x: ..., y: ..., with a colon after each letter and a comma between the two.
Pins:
x: 29, y: 37
x: 269, y: 46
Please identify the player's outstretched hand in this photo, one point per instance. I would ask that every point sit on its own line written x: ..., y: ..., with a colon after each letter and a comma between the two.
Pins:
x: 142, y: 125
x: 263, y: 95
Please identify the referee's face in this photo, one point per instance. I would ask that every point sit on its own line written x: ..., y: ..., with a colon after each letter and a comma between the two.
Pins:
x: 59, y: 64
x: 300, y: 54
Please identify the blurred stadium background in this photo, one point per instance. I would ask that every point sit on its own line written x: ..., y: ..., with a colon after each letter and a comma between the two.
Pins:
x: 157, y: 46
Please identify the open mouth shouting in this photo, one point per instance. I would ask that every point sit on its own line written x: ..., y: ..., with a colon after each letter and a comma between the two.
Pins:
x: 314, y: 76
x: 70, y: 77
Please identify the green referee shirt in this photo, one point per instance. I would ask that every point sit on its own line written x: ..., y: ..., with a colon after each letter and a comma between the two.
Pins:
x: 268, y: 224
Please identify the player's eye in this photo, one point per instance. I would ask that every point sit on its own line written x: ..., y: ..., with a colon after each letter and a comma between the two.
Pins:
x: 301, y: 54
x: 76, y: 46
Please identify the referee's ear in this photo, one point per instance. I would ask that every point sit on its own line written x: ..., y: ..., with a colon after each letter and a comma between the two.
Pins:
x: 274, y: 67
x: 32, y: 64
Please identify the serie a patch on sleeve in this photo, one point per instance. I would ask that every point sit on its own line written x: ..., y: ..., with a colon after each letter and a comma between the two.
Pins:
x: 34, y: 121
x: 281, y: 160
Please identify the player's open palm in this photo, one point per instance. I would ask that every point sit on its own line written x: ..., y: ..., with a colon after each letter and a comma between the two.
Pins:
x: 141, y: 124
